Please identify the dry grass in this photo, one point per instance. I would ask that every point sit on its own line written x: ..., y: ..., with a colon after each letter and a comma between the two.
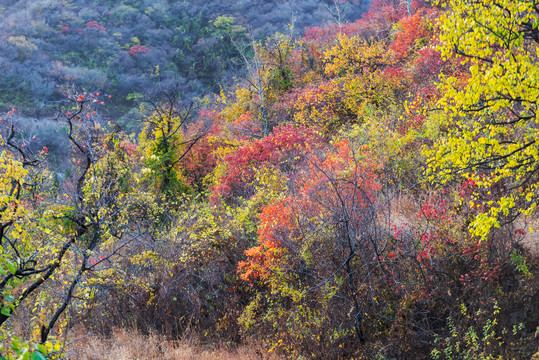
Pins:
x: 404, y: 210
x: 125, y: 345
x: 531, y: 240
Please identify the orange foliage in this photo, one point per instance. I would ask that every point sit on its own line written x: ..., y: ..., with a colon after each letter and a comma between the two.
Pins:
x: 327, y: 183
x: 413, y: 33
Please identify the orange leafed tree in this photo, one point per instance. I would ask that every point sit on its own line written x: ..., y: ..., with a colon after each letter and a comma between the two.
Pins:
x: 329, y: 188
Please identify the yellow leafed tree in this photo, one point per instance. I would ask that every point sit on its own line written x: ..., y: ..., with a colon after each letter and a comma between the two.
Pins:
x: 494, y: 133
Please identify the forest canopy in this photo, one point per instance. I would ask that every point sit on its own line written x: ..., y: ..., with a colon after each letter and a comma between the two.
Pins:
x: 135, y: 49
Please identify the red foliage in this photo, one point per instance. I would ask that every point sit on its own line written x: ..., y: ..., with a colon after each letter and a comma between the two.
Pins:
x: 277, y: 221
x: 199, y: 162
x: 428, y: 65
x: 477, y: 256
x: 327, y: 34
x: 245, y: 126
x: 377, y: 23
x: 136, y: 50
x: 434, y: 211
x: 383, y: 14
x: 467, y: 188
x: 412, y: 29
x: 201, y: 159
x: 129, y: 148
x: 282, y: 149
x: 324, y: 185
x: 95, y: 25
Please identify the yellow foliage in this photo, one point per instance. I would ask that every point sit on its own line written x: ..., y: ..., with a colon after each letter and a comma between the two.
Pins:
x: 493, y: 138
x: 359, y: 82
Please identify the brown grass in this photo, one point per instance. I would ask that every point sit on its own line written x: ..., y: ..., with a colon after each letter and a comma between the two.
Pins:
x: 531, y: 240
x: 404, y: 210
x: 125, y: 345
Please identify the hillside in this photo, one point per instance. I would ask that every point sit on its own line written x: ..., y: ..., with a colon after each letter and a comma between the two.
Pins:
x: 135, y: 49
x: 364, y: 190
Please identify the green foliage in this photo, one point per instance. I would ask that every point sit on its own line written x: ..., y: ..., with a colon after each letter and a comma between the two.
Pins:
x: 520, y: 263
x: 226, y: 26
x: 483, y: 340
x: 162, y: 143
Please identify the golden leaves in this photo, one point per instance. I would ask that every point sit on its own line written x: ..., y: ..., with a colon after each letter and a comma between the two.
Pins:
x: 494, y: 106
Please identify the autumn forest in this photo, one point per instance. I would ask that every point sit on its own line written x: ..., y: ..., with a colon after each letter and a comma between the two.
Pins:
x: 269, y: 179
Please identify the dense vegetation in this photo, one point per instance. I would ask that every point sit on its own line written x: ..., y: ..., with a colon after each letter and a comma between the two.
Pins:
x: 135, y: 49
x: 367, y: 190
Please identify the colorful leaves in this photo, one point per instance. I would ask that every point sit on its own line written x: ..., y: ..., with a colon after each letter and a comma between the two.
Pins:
x: 493, y: 106
x: 322, y: 186
x: 90, y: 25
x: 412, y: 33
x: 136, y: 50
x: 282, y: 149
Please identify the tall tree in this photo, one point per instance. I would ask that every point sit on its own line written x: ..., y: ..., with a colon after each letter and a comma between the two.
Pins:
x: 493, y: 108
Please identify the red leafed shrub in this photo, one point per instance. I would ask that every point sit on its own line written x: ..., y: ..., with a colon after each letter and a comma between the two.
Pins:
x: 327, y: 34
x: 200, y: 161
x: 412, y: 29
x: 434, y: 211
x: 283, y: 149
x: 277, y: 219
x: 136, y: 50
x: 383, y: 14
x: 245, y: 126
x: 428, y: 64
x: 328, y: 183
x: 467, y: 188
x: 95, y: 25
